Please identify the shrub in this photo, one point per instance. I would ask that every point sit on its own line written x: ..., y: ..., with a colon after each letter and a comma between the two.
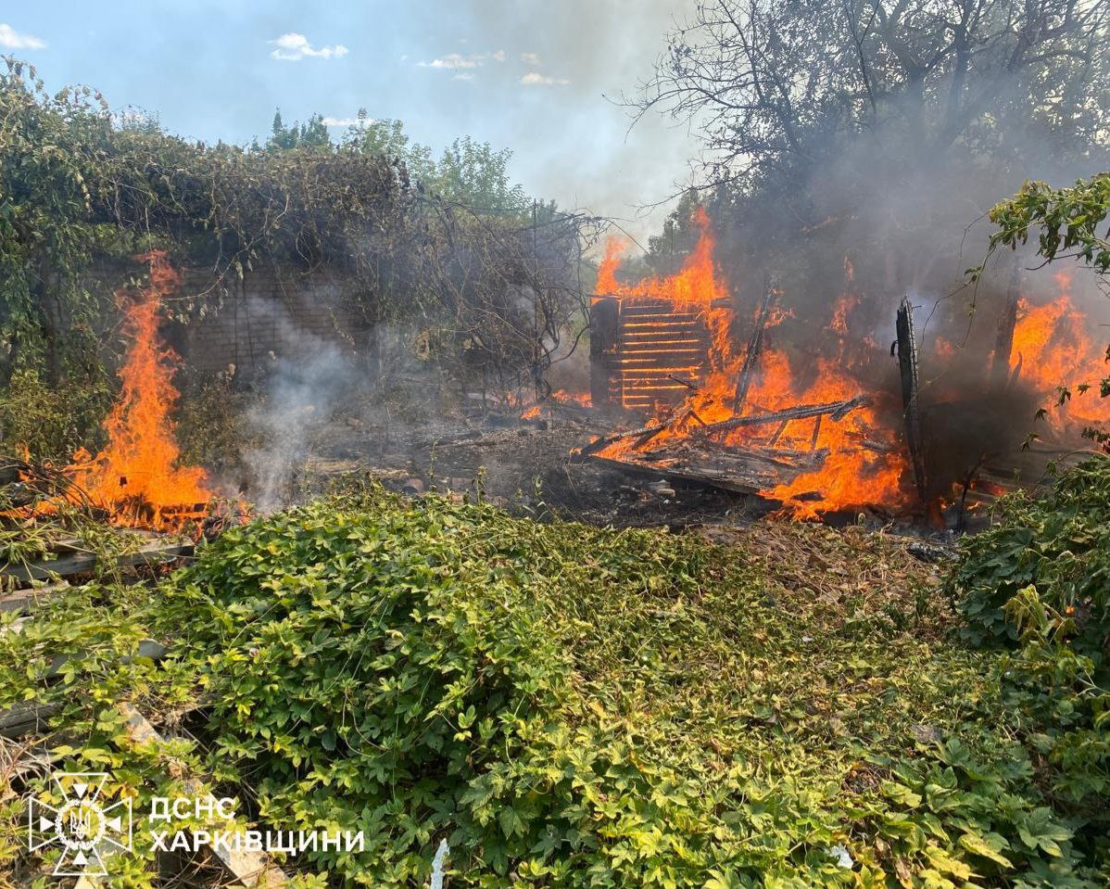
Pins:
x: 1039, y: 582
x: 51, y: 422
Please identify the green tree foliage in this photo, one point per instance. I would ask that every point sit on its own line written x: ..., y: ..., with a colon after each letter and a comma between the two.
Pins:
x: 468, y: 172
x: 311, y: 136
x: 1065, y: 219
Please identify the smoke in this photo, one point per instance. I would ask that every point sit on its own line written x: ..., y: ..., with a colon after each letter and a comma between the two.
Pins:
x: 884, y: 218
x: 301, y: 390
x: 572, y: 137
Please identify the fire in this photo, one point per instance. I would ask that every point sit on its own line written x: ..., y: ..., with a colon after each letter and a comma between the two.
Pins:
x: 559, y: 396
x: 136, y: 478
x: 1052, y: 348
x: 862, y: 462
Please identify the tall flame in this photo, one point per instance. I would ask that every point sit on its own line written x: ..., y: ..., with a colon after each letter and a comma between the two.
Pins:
x: 1052, y: 348
x: 864, y: 463
x: 136, y: 478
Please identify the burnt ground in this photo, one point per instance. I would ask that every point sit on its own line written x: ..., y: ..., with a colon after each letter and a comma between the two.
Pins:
x: 522, y: 465
x: 528, y: 466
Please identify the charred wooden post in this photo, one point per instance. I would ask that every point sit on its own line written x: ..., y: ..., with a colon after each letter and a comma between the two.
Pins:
x: 907, y: 366
x: 1004, y: 341
x: 604, y: 321
x: 755, y: 344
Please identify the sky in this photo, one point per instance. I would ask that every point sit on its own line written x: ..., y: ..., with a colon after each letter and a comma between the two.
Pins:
x: 543, y: 78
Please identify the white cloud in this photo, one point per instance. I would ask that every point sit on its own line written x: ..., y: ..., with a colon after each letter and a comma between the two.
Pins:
x: 530, y: 58
x: 453, y: 61
x: 293, y: 47
x: 463, y: 76
x: 346, y: 122
x: 534, y: 78
x: 10, y: 38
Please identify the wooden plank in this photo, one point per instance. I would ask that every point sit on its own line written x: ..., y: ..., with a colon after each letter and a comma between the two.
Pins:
x: 26, y: 719
x: 32, y: 718
x: 83, y: 563
x: 26, y: 600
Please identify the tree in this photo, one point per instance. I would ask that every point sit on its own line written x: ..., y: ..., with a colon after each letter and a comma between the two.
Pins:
x: 472, y: 173
x: 388, y: 137
x: 775, y: 84
x: 313, y: 135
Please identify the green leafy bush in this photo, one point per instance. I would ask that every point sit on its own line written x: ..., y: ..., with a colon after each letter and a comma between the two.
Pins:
x: 51, y: 422
x: 568, y: 706
x: 579, y: 707
x: 1040, y: 581
x: 1058, y: 544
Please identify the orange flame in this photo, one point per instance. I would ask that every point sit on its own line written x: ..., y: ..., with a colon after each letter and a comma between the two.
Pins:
x: 136, y: 478
x: 1052, y: 348
x: 864, y: 463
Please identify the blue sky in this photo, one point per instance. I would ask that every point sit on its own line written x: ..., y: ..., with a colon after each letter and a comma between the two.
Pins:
x: 536, y: 76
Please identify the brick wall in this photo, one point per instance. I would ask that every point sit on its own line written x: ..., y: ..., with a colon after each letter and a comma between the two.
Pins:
x: 263, y: 317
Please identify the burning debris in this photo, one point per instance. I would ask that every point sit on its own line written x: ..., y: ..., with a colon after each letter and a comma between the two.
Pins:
x: 737, y: 418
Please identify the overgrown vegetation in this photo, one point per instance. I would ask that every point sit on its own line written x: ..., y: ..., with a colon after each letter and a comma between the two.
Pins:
x: 1039, y: 582
x: 574, y: 707
x: 452, y: 248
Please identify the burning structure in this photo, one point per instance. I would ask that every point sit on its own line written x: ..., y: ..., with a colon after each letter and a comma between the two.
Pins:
x: 822, y: 427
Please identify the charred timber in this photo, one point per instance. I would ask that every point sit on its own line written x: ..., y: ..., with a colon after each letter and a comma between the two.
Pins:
x: 836, y: 410
x: 755, y: 345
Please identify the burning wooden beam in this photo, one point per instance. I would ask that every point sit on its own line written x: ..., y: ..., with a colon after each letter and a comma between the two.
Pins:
x: 744, y: 381
x: 836, y: 410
